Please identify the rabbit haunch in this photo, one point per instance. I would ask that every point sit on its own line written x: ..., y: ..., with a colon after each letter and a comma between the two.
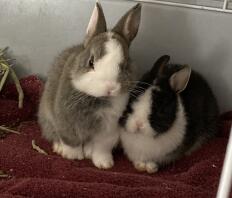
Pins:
x: 105, y: 73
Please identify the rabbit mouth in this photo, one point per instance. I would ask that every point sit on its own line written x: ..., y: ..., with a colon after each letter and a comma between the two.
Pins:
x: 113, y: 90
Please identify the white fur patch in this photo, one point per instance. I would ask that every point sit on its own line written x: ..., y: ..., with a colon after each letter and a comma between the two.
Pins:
x: 88, y: 150
x: 67, y: 151
x: 141, y: 147
x: 138, y: 122
x: 99, y: 149
x: 150, y: 167
x: 103, y: 80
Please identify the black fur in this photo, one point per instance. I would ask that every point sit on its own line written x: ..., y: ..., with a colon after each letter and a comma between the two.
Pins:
x: 201, y: 110
x: 144, y: 83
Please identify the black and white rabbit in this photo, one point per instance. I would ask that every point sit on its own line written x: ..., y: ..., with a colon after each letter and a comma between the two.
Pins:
x: 87, y: 90
x: 170, y: 113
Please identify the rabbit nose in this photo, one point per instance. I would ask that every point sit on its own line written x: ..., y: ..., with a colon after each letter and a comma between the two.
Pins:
x: 139, y: 125
x: 112, y: 89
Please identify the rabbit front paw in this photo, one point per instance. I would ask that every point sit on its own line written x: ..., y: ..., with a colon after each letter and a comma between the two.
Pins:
x: 67, y: 151
x: 102, y: 160
x: 149, y: 167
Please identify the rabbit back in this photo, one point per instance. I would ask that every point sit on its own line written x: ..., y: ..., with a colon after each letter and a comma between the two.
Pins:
x: 46, y: 114
x: 201, y: 110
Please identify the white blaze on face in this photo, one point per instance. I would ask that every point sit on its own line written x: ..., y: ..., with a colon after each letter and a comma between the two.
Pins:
x: 103, y: 80
x: 138, y: 121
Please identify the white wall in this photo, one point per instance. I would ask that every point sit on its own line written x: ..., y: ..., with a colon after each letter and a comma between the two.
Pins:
x: 36, y: 30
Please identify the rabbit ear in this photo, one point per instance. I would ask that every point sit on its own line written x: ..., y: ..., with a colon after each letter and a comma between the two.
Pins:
x: 179, y: 80
x: 97, y: 24
x: 128, y: 25
x: 160, y: 64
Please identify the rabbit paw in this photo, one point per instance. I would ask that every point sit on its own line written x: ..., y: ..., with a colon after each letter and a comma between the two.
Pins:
x: 150, y: 167
x: 68, y: 152
x: 102, y: 160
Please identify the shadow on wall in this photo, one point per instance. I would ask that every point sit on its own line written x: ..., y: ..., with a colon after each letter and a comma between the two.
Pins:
x: 215, y: 72
x: 19, y: 66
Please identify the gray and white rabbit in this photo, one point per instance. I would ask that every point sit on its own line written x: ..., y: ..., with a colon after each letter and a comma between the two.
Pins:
x: 87, y: 90
x: 170, y: 113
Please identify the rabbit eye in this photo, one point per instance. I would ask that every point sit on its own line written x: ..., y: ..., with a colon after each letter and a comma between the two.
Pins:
x: 91, y: 62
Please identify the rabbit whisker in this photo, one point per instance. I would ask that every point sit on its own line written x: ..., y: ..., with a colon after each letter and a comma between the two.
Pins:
x: 139, y: 82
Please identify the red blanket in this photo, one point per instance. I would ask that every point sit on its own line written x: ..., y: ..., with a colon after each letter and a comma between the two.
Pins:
x: 32, y: 174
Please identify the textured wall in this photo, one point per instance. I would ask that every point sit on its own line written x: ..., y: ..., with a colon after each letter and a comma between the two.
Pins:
x: 36, y: 30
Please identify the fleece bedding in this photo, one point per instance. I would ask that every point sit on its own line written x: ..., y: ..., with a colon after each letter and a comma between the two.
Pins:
x: 32, y: 174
